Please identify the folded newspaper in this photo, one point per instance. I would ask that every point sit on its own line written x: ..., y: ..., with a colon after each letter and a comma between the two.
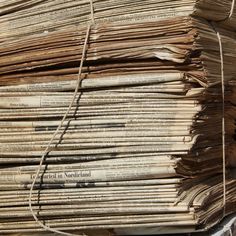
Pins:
x: 142, y: 144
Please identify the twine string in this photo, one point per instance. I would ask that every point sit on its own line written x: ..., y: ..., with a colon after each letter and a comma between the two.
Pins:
x: 223, y: 116
x: 78, y: 86
x: 48, y: 147
x: 92, y: 11
x: 232, y: 9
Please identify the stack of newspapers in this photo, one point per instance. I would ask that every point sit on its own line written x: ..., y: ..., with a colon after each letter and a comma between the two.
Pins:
x: 24, y: 18
x: 149, y: 142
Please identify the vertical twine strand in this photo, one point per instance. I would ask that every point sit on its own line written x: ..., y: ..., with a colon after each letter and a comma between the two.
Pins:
x: 223, y: 116
x: 92, y: 12
x: 232, y: 9
x: 78, y: 86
